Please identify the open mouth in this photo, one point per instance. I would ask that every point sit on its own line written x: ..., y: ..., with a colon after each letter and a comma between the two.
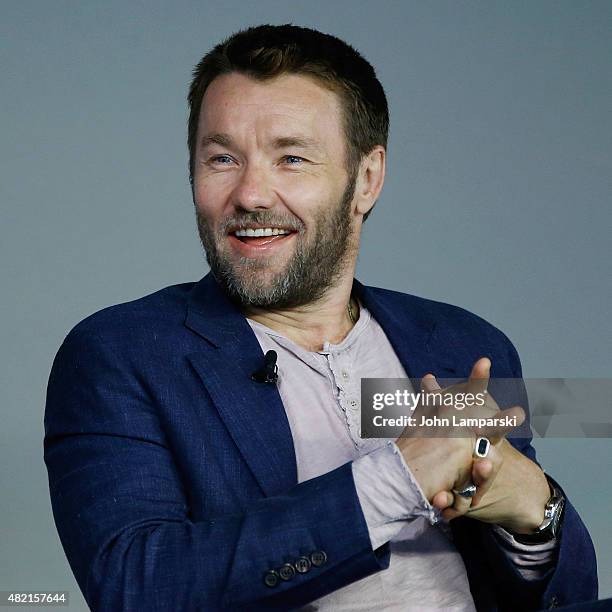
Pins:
x: 262, y: 236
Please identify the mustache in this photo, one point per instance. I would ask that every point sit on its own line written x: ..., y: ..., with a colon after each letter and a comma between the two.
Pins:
x: 262, y: 218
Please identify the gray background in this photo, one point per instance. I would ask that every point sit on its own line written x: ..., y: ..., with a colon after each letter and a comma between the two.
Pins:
x: 497, y: 196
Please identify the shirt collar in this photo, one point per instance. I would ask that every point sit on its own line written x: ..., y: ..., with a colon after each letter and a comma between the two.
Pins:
x: 362, y: 323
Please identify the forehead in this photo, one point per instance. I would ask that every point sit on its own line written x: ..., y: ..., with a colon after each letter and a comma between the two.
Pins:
x: 237, y: 104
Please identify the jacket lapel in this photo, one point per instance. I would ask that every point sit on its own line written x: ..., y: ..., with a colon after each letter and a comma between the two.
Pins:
x: 252, y: 412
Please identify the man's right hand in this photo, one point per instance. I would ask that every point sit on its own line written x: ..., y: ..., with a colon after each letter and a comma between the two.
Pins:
x: 444, y: 464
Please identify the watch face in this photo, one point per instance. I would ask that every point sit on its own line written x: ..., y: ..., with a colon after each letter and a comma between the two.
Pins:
x: 556, y: 519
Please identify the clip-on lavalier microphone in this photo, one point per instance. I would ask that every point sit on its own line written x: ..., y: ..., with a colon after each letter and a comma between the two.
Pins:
x: 269, y: 372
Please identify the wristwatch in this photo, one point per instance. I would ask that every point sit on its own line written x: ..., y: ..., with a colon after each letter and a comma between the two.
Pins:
x: 551, y: 525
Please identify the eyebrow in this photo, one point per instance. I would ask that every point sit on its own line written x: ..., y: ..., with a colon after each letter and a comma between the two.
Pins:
x: 221, y: 139
x: 302, y: 142
x: 281, y: 142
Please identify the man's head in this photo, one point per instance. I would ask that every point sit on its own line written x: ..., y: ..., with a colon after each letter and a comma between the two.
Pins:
x: 267, y: 51
x: 287, y: 131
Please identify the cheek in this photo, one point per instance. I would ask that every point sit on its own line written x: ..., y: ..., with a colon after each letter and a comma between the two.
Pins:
x: 209, y: 197
x: 303, y: 197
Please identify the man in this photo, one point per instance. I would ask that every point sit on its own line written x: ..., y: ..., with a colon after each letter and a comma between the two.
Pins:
x: 186, y: 474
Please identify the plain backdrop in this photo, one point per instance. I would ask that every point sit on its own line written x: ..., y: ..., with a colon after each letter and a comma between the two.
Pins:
x: 498, y: 196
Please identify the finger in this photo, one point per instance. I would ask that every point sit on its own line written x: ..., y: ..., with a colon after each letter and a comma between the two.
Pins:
x: 483, y: 475
x: 460, y: 506
x: 430, y: 386
x: 429, y: 383
x: 506, y: 421
x: 484, y: 472
x: 442, y: 500
x: 515, y: 411
x: 479, y: 376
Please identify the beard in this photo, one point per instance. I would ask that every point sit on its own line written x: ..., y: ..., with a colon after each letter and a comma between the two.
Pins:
x: 314, y: 266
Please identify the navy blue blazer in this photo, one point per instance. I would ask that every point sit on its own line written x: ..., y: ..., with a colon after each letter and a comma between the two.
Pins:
x: 173, y: 475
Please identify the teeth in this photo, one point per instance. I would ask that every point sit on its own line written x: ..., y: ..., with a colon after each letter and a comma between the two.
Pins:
x: 261, y: 231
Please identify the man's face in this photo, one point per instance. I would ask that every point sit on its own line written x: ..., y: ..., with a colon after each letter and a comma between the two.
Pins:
x: 272, y: 193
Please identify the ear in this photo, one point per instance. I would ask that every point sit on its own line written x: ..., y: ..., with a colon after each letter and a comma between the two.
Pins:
x: 370, y: 180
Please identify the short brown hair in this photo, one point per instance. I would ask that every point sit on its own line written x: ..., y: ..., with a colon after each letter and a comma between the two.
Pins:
x: 266, y: 51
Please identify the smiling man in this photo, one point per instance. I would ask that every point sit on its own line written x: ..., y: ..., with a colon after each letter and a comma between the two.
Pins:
x: 203, y: 443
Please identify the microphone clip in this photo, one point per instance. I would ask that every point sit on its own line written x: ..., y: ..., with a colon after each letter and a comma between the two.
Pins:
x: 269, y: 372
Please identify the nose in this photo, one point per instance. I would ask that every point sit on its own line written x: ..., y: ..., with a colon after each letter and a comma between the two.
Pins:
x: 253, y: 190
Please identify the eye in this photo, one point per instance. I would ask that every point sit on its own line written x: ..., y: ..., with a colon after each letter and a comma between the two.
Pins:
x: 223, y: 160
x: 293, y: 160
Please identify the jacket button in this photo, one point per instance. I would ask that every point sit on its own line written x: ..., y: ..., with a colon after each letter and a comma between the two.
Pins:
x: 318, y: 558
x: 271, y: 579
x: 286, y: 571
x: 302, y: 565
x: 554, y: 602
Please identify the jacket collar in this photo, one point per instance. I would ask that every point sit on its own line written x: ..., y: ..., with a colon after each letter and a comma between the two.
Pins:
x: 213, y: 316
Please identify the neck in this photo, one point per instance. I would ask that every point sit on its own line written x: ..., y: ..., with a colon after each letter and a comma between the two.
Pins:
x: 311, y: 325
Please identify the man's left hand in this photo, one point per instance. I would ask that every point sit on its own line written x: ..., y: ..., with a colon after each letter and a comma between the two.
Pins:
x: 512, y: 491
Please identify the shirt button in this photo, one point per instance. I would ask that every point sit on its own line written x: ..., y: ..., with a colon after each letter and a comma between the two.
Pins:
x: 345, y: 374
x: 271, y: 579
x: 318, y: 558
x: 302, y: 565
x: 286, y: 571
x: 353, y: 403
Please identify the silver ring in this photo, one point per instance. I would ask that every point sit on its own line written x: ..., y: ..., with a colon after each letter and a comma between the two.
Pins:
x: 467, y: 491
x: 482, y: 447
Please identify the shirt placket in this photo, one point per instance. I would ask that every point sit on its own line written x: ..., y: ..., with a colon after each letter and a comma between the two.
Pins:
x: 348, y: 385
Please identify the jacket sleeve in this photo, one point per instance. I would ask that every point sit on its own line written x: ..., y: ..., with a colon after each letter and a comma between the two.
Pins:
x: 494, y: 580
x: 123, y: 516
